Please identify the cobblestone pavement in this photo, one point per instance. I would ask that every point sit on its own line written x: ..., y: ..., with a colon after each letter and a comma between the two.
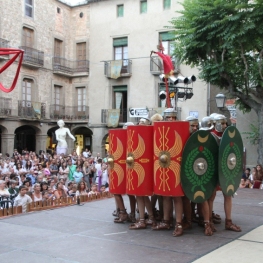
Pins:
x: 87, y: 234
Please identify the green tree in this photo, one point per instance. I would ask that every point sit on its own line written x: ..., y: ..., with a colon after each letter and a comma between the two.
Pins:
x: 224, y: 39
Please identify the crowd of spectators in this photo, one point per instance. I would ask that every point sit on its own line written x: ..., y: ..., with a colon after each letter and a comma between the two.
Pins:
x: 252, y: 179
x: 28, y: 177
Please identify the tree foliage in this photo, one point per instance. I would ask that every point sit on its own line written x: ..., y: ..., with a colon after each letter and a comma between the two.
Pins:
x: 224, y: 39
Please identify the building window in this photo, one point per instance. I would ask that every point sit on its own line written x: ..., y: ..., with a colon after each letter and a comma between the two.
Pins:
x: 58, y: 51
x: 81, y: 98
x: 57, y: 97
x: 166, y: 4
x: 28, y: 37
x: 58, y: 10
x: 81, y: 55
x: 120, y: 101
x: 143, y: 7
x: 120, y: 10
x: 167, y: 42
x: 29, y: 8
x: 27, y: 90
x: 121, y: 52
x: 57, y: 48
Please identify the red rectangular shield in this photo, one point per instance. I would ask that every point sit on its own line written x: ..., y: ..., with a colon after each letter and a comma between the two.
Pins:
x: 116, y: 161
x: 169, y: 141
x: 139, y: 160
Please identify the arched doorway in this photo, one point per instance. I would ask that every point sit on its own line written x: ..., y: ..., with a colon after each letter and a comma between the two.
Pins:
x: 105, y: 144
x: 83, y: 137
x: 51, y: 140
x: 25, y: 138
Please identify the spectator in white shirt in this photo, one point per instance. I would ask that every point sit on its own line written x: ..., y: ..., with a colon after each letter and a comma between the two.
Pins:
x: 23, y: 199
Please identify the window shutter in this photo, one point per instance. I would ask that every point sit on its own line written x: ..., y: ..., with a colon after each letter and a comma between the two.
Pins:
x: 167, y: 36
x: 167, y: 4
x: 120, y: 42
x: 120, y: 88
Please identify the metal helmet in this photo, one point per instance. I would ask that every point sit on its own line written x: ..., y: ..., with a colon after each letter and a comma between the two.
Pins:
x: 169, y: 112
x: 127, y: 124
x: 144, y: 121
x: 219, y: 119
x: 207, y: 123
x: 193, y: 123
x: 212, y: 116
x: 156, y: 117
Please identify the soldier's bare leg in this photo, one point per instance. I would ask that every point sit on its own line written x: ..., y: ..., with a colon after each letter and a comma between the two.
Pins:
x: 165, y: 224
x: 148, y: 205
x: 187, y: 220
x: 123, y: 216
x: 132, y: 200
x: 178, y: 205
x: 141, y: 223
x: 228, y: 209
x: 205, y: 213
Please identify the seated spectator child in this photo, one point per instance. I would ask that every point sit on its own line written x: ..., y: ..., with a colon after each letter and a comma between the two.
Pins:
x: 103, y: 189
x: 3, y: 190
x: 94, y: 190
x: 50, y: 193
x: 74, y: 190
x: 43, y: 186
x: 13, y: 190
x: 82, y: 188
x: 246, y: 174
x: 45, y: 196
x: 78, y: 175
x: 242, y: 183
x: 249, y: 183
x: 22, y: 199
x: 60, y: 192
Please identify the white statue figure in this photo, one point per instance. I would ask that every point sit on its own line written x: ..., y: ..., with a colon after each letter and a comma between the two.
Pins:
x: 61, y: 134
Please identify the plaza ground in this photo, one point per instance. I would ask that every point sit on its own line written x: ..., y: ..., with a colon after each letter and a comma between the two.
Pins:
x: 87, y: 234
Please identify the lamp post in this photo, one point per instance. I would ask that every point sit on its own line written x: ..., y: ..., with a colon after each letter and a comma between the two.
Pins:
x: 220, y: 101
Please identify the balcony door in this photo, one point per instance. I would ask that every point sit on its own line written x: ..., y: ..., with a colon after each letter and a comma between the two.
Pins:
x: 81, y: 56
x: 58, y: 108
x: 28, y: 37
x: 121, y: 52
x: 57, y: 51
x: 81, y: 101
x: 120, y: 101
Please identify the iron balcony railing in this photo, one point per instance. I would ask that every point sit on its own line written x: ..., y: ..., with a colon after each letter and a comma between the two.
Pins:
x: 5, y: 106
x: 111, y: 68
x: 69, y: 113
x: 156, y: 65
x: 105, y: 115
x: 70, y: 66
x: 31, y: 109
x: 33, y: 56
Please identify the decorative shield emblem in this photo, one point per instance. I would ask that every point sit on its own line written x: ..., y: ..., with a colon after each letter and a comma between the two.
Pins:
x: 199, y: 171
x: 230, y: 165
x: 139, y: 160
x: 16, y: 53
x: 116, y: 161
x: 169, y: 140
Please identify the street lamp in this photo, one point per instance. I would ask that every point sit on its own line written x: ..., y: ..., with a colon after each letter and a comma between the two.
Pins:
x: 220, y: 100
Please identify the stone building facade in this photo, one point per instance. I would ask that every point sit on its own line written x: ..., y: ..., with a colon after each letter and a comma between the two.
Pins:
x: 53, y: 80
x: 67, y: 73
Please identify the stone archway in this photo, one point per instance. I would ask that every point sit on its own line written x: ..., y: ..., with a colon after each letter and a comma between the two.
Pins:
x: 25, y: 138
x: 3, y: 130
x: 83, y: 137
x: 105, y: 144
x: 51, y: 140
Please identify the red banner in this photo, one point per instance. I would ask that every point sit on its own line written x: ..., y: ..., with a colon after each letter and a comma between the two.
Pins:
x: 139, y: 160
x: 169, y: 141
x: 117, y: 161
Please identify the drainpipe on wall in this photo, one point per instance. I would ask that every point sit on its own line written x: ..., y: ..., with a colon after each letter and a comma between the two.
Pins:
x: 208, y: 99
